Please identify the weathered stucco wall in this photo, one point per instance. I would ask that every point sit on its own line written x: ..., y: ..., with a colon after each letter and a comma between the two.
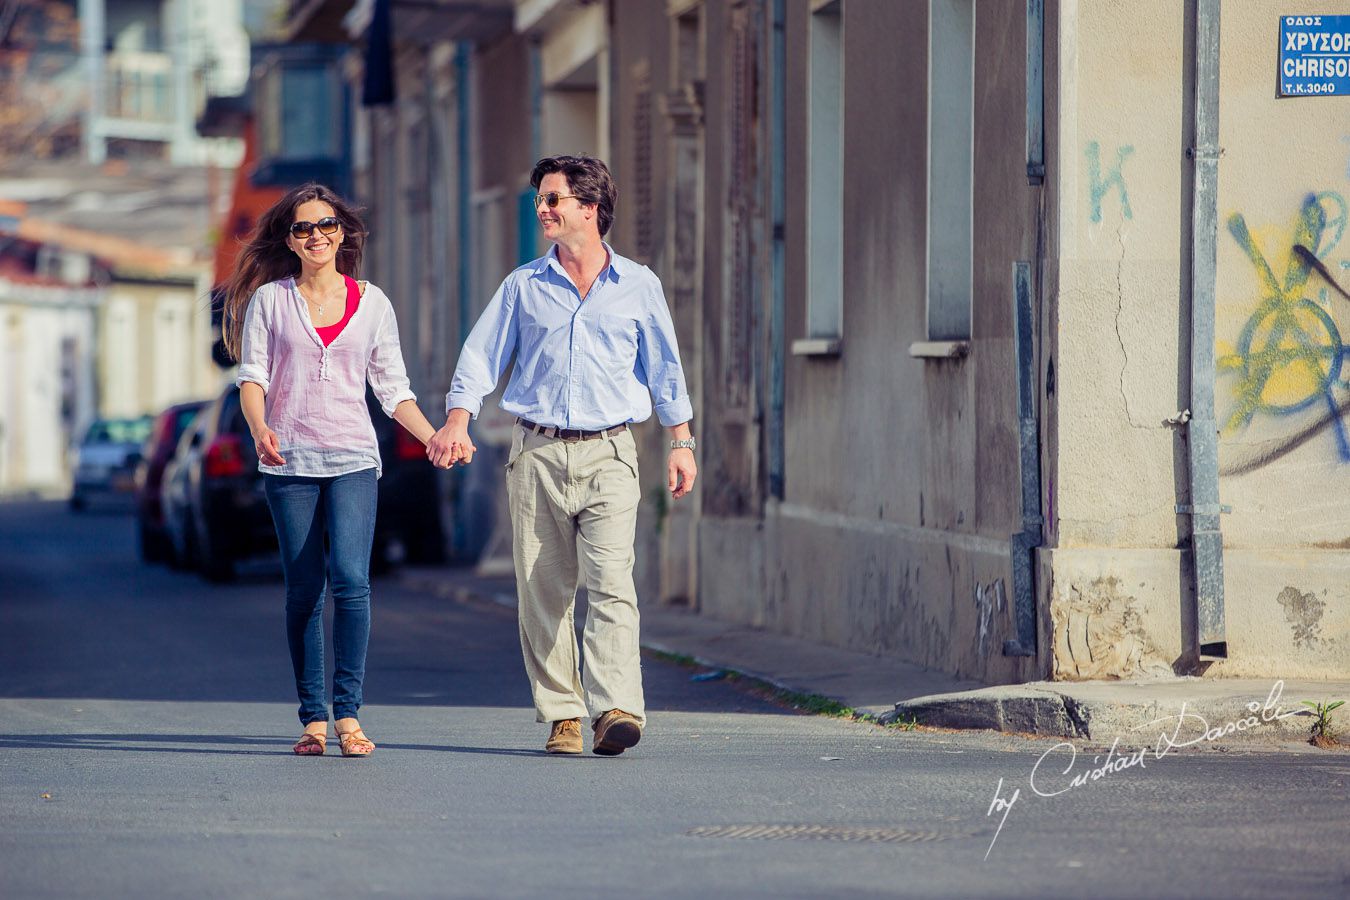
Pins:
x: 1121, y: 131
x: 901, y: 480
x: 1282, y: 387
x: 1121, y: 599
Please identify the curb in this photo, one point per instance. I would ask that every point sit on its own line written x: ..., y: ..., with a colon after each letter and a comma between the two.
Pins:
x: 795, y: 696
x: 1048, y: 714
x: 1184, y: 711
x: 1232, y: 718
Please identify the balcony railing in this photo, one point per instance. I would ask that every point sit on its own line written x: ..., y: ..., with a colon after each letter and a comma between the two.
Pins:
x: 139, y: 86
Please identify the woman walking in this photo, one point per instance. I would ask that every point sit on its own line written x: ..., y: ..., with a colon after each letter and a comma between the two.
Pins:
x: 308, y: 337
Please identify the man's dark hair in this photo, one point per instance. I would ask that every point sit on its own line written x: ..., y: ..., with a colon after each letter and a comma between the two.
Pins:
x: 588, y: 179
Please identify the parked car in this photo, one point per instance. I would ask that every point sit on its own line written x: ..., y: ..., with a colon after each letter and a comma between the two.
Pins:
x: 159, y: 447
x: 174, y: 500
x: 105, y: 460
x: 408, y: 511
x: 216, y: 513
x: 225, y: 513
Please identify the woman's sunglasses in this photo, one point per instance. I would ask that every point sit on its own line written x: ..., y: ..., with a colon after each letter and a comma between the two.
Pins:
x: 326, y: 225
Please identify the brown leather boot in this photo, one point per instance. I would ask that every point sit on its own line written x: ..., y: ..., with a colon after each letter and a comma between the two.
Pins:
x: 615, y: 732
x: 565, y: 737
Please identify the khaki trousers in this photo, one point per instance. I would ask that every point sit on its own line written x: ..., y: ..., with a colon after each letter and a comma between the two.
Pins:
x: 573, y: 518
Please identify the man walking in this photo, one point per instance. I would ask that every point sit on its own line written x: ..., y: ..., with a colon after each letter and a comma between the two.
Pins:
x: 594, y: 347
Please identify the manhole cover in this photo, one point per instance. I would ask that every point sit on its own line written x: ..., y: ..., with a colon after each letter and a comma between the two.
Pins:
x: 817, y: 833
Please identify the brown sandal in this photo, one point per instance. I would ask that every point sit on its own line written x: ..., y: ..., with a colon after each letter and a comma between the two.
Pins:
x: 310, y: 744
x: 355, y: 743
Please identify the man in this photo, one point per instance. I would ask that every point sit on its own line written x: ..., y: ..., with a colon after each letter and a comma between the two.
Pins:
x: 594, y: 345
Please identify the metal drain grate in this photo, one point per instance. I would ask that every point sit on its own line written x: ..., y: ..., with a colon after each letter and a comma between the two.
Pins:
x: 818, y: 833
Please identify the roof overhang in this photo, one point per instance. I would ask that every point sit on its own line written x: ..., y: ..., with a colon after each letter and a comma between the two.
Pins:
x: 414, y: 21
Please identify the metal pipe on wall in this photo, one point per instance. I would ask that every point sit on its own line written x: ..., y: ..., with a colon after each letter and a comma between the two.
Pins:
x: 1202, y: 430
x: 463, y: 216
x: 1025, y: 542
x: 778, y: 282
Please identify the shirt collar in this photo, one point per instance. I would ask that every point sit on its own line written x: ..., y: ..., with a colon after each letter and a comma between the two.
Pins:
x: 616, y: 270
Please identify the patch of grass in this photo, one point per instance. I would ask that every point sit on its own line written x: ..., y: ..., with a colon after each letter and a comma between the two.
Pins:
x: 1323, y: 731
x: 814, y: 704
x: 810, y: 704
x: 678, y: 659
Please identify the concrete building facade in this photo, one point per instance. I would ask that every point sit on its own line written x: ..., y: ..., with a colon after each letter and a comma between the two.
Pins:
x: 1121, y: 570
x: 933, y: 267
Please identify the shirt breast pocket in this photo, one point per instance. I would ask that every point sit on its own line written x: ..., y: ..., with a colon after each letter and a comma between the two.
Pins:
x: 617, y: 335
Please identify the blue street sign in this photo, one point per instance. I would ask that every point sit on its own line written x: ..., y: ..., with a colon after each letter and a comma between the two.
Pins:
x: 1314, y: 56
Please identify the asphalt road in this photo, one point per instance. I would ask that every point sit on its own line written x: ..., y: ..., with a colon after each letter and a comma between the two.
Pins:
x: 146, y: 719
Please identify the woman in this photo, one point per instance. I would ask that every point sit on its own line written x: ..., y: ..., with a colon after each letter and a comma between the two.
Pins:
x: 307, y: 338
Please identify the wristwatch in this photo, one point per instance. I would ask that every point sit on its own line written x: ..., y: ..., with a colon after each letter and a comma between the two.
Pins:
x: 687, y: 443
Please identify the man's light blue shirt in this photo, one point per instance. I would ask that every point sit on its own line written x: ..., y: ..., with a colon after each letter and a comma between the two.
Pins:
x: 579, y: 364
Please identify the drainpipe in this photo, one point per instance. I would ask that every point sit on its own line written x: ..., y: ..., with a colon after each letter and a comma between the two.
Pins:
x: 778, y: 280
x: 1202, y: 430
x: 463, y: 185
x: 527, y: 225
x: 463, y: 215
x: 1025, y: 542
x: 93, y: 56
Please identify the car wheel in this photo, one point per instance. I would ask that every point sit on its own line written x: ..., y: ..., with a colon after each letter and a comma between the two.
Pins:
x: 424, y: 546
x: 180, y: 551
x: 213, y: 559
x: 153, y: 543
x: 381, y: 560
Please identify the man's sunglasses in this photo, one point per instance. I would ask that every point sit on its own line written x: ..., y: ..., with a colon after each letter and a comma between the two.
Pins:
x: 326, y: 225
x: 553, y: 198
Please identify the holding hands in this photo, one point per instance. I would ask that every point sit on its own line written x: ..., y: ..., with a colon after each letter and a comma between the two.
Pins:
x: 451, y: 444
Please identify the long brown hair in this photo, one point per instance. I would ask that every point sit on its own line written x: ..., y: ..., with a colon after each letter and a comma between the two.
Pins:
x: 266, y: 257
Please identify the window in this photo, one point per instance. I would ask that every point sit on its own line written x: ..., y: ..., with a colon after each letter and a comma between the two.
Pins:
x: 302, y: 106
x: 951, y: 107
x: 824, y: 182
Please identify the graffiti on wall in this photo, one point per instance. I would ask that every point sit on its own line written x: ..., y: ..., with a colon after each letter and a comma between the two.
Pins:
x: 990, y: 599
x: 1287, y: 368
x: 1099, y: 186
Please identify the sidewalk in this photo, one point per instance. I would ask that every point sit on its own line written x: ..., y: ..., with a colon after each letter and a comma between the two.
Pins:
x: 1241, y: 711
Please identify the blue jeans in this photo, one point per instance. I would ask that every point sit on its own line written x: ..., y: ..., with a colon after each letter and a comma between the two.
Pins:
x: 304, y: 510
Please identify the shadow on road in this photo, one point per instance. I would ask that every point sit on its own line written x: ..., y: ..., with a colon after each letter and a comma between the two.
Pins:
x: 212, y: 744
x: 81, y: 617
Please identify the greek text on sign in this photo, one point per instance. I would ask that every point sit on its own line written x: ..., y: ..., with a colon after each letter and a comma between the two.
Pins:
x: 1314, y: 56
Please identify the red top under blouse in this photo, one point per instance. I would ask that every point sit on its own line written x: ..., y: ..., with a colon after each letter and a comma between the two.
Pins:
x: 328, y: 333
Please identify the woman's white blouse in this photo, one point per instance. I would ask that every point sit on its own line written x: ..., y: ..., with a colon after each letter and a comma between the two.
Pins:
x: 316, y: 395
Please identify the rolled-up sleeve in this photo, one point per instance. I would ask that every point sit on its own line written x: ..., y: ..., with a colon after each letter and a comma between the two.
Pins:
x: 255, y: 355
x: 486, y: 353
x: 387, y: 375
x: 659, y: 361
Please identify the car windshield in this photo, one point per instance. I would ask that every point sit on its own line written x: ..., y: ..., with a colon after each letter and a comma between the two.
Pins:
x: 182, y: 420
x: 118, y: 431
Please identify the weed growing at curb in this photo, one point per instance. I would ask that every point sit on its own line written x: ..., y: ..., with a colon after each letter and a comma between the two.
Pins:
x: 812, y: 704
x: 679, y: 659
x: 1323, y: 732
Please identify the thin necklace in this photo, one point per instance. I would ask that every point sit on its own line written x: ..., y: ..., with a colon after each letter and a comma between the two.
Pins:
x: 317, y: 305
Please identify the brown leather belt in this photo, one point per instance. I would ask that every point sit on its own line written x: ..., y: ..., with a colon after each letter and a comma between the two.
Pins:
x: 571, y: 434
